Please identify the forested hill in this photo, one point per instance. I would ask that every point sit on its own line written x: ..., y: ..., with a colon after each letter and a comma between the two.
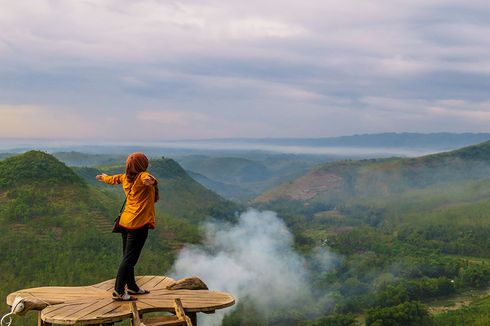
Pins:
x: 180, y: 195
x: 35, y: 168
x: 37, y: 189
x: 366, y: 178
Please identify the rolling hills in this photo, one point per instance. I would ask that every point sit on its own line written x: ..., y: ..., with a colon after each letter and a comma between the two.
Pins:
x: 242, y: 178
x: 440, y: 201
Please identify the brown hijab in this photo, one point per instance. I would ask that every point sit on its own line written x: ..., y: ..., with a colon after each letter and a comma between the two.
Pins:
x: 135, y: 164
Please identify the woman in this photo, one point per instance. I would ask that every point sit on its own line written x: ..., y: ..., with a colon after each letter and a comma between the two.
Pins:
x: 138, y: 216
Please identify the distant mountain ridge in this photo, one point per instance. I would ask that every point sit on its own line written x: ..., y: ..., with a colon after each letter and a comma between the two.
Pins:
x: 440, y: 140
x: 409, y: 140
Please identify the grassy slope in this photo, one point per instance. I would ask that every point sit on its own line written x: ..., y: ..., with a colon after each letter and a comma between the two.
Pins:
x: 476, y: 314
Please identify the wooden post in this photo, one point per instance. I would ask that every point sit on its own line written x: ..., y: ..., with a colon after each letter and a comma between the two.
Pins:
x: 193, y: 317
x: 136, y: 321
x: 41, y: 322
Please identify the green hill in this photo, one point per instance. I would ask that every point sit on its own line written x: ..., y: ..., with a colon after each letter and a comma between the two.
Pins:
x: 341, y: 181
x: 37, y: 188
x: 35, y: 167
x: 56, y: 227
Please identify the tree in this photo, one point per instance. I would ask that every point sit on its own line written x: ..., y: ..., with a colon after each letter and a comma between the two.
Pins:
x: 410, y: 313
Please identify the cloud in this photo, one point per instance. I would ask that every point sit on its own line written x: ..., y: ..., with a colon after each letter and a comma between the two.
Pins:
x: 172, y: 118
x: 260, y: 28
x: 286, y: 68
x: 33, y: 121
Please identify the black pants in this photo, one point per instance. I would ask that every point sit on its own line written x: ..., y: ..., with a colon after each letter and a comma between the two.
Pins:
x: 133, y: 242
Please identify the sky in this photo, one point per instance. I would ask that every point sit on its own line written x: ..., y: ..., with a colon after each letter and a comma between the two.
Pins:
x: 148, y: 70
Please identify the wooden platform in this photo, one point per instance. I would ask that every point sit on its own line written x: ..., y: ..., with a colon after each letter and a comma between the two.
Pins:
x: 94, y: 305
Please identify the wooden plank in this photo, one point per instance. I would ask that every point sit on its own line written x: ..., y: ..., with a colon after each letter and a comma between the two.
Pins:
x: 106, y: 285
x: 53, y: 310
x: 144, y: 280
x: 64, y: 314
x: 160, y: 319
x: 91, y: 309
x: 122, y: 309
x: 164, y: 282
x: 187, y: 300
x: 143, y: 304
x: 113, y: 305
x: 151, y: 283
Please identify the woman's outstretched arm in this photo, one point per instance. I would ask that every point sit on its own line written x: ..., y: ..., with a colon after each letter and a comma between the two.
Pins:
x: 109, y: 179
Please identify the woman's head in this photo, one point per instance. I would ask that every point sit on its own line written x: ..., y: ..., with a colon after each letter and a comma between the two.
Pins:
x: 136, y: 163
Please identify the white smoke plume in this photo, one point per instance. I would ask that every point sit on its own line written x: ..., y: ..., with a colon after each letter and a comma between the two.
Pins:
x: 253, y: 258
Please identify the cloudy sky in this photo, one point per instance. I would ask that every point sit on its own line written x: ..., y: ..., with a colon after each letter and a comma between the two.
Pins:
x: 190, y: 69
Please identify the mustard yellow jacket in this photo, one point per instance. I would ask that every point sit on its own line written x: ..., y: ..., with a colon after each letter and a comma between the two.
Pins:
x: 140, y: 204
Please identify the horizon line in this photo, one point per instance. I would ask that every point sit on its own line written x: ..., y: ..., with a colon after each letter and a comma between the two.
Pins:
x: 137, y: 141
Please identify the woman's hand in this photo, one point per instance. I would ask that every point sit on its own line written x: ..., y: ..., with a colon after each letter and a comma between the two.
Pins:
x: 149, y: 181
x: 101, y: 177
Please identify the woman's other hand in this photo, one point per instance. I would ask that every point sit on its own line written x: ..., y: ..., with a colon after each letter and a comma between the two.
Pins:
x: 148, y: 181
x: 101, y: 177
